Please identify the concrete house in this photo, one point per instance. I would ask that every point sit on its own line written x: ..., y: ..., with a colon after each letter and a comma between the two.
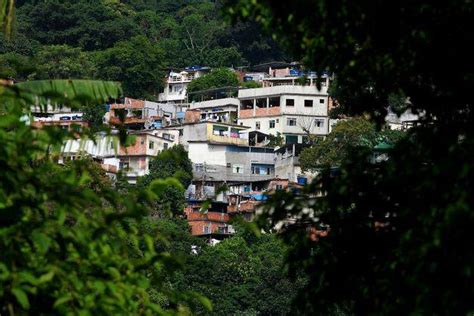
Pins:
x: 133, y: 160
x: 294, y: 111
x: 176, y: 84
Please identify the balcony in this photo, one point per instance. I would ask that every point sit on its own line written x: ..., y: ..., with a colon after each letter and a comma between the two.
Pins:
x: 225, y: 134
x: 281, y: 90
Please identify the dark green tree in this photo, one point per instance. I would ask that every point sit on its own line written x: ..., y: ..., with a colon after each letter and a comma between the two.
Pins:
x: 396, y: 243
x: 136, y: 63
x: 221, y: 77
x: 170, y: 163
x: 242, y: 276
x: 63, y: 62
x: 94, y: 115
x: 67, y: 238
x: 346, y: 136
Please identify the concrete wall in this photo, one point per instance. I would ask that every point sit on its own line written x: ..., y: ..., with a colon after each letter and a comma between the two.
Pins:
x: 220, y: 163
x: 215, y: 103
x: 203, y: 152
x: 282, y: 127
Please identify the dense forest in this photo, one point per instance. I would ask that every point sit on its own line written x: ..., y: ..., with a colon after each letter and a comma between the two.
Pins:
x: 133, y: 42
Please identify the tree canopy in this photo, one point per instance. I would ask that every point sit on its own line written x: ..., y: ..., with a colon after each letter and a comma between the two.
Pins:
x: 397, y: 229
x: 129, y: 41
x: 346, y: 136
x: 218, y: 78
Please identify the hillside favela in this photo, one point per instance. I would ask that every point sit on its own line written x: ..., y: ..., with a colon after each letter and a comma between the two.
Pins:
x: 236, y: 157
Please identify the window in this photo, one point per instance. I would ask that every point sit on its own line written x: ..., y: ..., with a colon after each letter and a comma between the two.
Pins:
x: 165, y: 145
x: 269, y: 170
x: 278, y: 120
x: 151, y: 145
x: 111, y: 145
x: 291, y: 139
x: 124, y: 165
x: 319, y: 122
x: 290, y: 102
x: 257, y: 125
x: 272, y: 123
x: 321, y: 101
x: 206, y: 229
x: 308, y: 103
x: 279, y: 187
x: 291, y: 121
x: 199, y: 167
x: 237, y: 168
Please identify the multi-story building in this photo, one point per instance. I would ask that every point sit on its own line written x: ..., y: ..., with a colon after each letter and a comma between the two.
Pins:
x: 221, y: 154
x: 141, y: 114
x: 293, y: 111
x: 287, y: 164
x: 133, y: 160
x: 211, y: 223
x: 57, y: 115
x: 219, y: 110
x: 175, y: 89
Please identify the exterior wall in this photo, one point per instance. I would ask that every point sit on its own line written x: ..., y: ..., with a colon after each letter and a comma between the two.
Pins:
x: 282, y: 125
x: 215, y: 103
x: 202, y: 228
x: 177, y: 84
x: 214, y: 162
x: 318, y: 108
x: 203, y: 152
x: 204, y: 132
x: 224, y: 139
x: 104, y: 146
x: 281, y: 90
x: 134, y: 159
x: 193, y: 132
x: 312, y: 119
x: 192, y: 116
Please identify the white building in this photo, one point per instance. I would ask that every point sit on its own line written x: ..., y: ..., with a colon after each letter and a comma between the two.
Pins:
x: 219, y: 110
x: 406, y: 120
x: 175, y: 89
x: 293, y: 111
x: 133, y: 160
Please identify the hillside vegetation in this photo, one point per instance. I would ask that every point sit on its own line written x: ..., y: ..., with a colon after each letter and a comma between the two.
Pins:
x: 133, y: 41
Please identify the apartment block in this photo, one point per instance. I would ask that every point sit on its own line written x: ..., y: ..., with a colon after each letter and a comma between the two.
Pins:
x: 293, y: 111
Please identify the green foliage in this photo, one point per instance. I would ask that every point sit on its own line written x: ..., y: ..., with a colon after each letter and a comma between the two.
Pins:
x: 6, y: 15
x: 94, y: 115
x: 13, y: 65
x: 136, y: 63
x: 68, y: 240
x: 172, y: 163
x: 396, y: 243
x: 277, y: 140
x: 63, y: 62
x: 251, y: 84
x: 221, y: 77
x: 346, y: 136
x: 241, y: 276
x: 128, y: 41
